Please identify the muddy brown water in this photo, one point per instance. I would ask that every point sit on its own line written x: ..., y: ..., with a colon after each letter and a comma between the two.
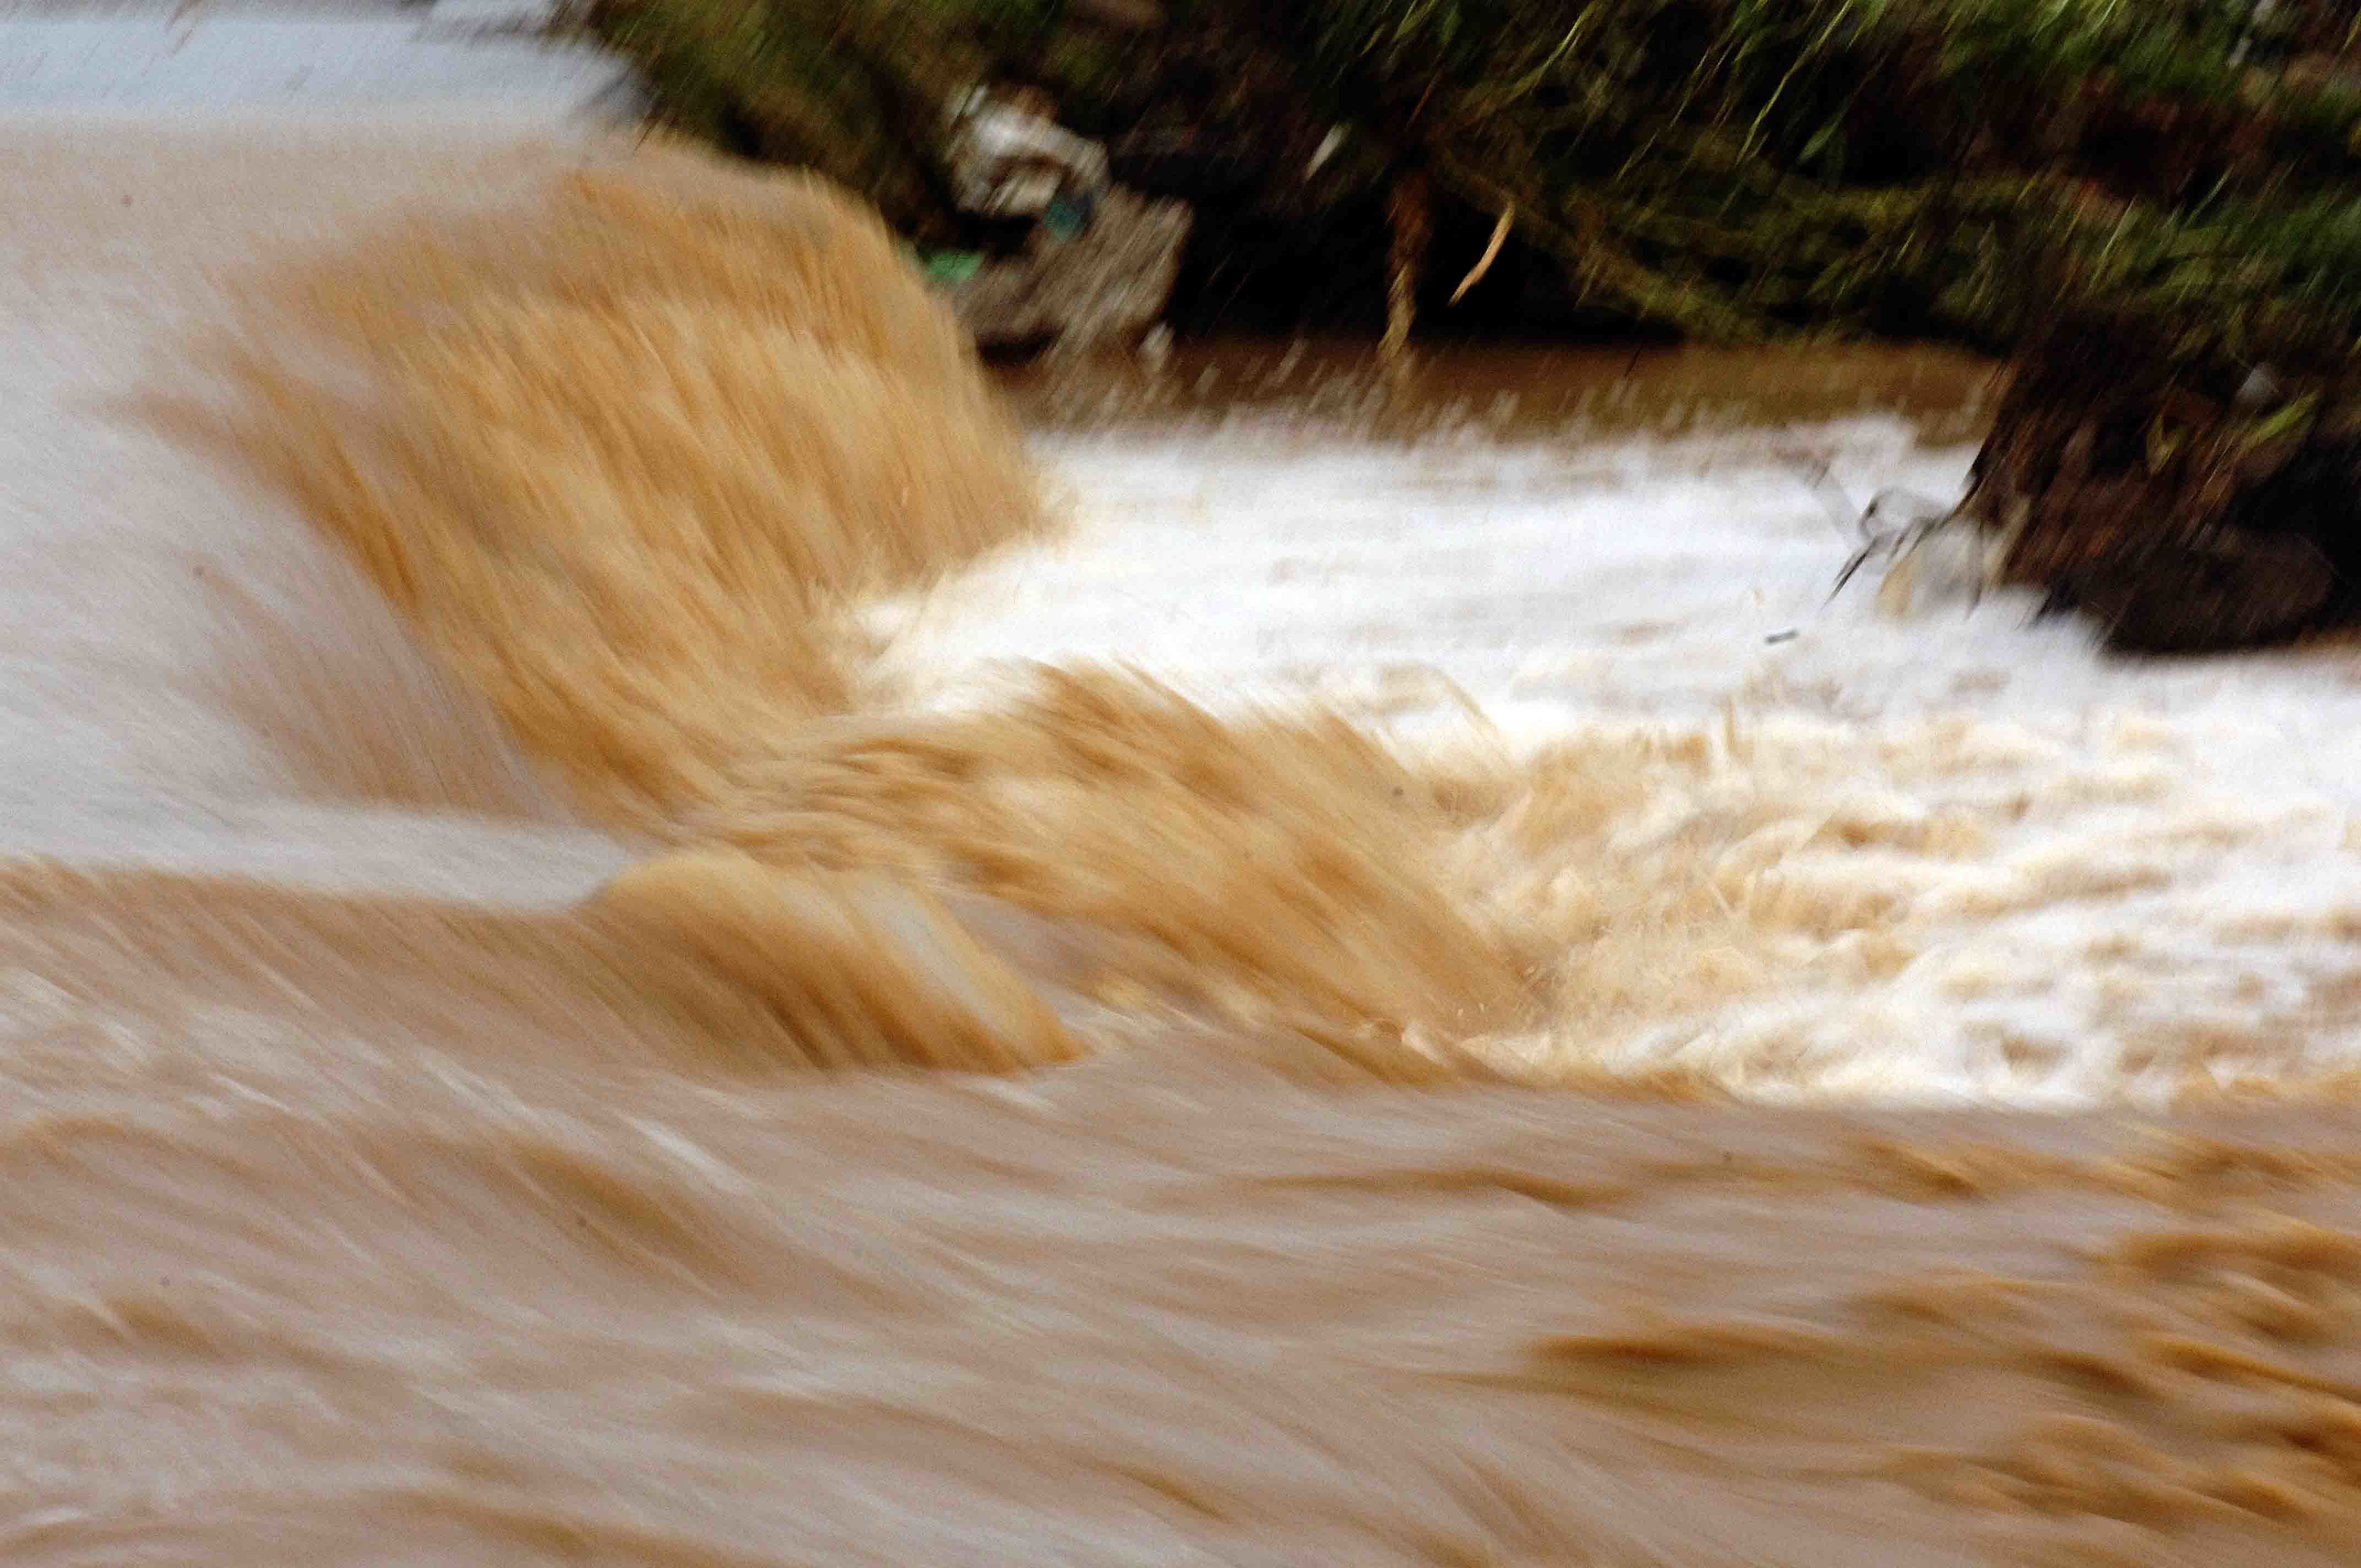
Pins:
x: 376, y: 1194
x: 1512, y: 393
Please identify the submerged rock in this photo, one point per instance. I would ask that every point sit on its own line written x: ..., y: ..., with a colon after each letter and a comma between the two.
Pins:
x: 2233, y: 591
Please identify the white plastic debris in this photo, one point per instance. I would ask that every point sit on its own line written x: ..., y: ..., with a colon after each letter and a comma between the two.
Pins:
x: 1009, y: 159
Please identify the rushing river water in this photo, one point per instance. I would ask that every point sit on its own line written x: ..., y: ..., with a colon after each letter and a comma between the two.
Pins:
x: 1469, y: 1016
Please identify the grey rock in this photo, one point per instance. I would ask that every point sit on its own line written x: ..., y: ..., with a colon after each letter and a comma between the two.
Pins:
x: 1107, y: 285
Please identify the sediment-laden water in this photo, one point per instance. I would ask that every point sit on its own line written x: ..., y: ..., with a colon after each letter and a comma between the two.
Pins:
x: 648, y: 922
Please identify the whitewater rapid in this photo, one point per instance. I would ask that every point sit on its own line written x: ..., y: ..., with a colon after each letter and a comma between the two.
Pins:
x: 2161, y: 872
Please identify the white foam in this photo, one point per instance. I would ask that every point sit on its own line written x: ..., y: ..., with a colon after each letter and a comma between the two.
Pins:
x: 2161, y: 887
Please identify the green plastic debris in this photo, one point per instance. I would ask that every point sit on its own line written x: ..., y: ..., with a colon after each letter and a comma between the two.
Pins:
x: 952, y: 268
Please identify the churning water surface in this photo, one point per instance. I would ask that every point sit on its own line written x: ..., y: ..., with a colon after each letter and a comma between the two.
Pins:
x: 642, y: 929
